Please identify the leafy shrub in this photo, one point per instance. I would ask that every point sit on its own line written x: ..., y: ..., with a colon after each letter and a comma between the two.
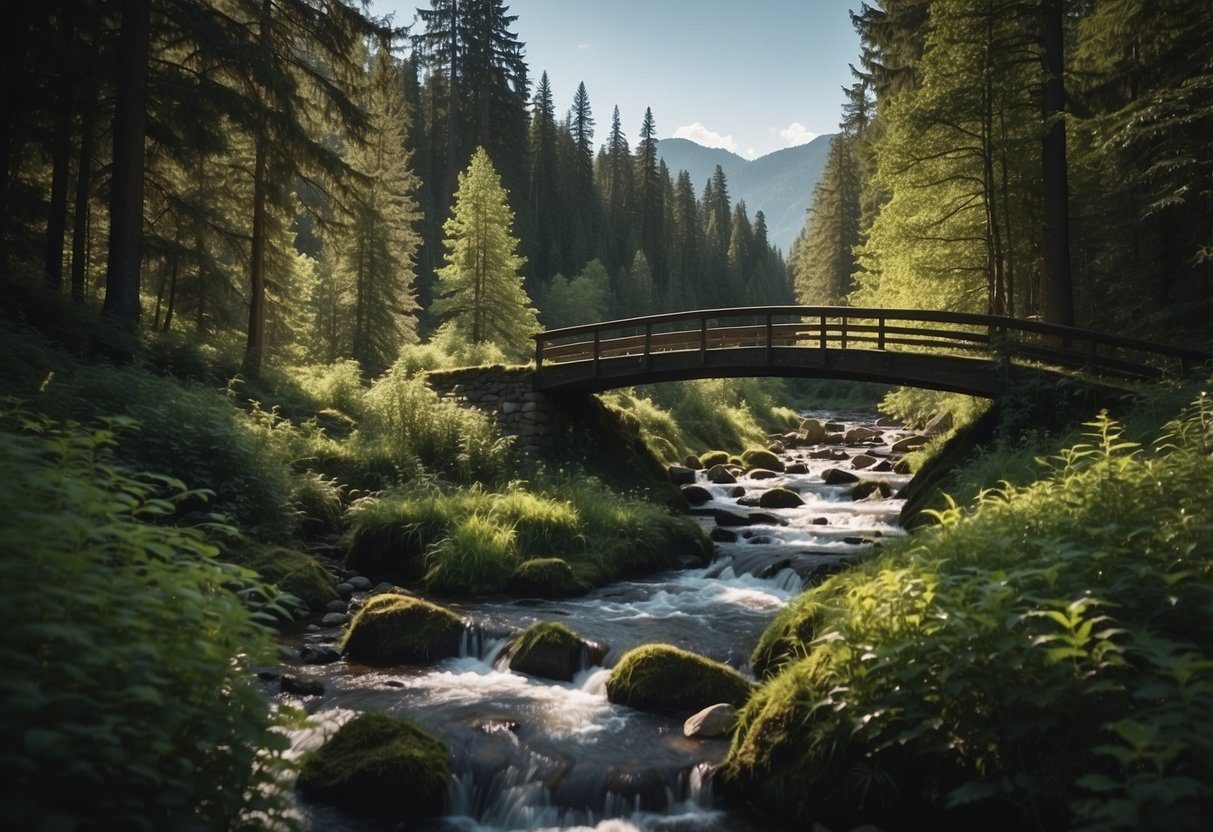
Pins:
x: 129, y: 701
x: 406, y: 427
x: 337, y: 386
x: 1046, y: 653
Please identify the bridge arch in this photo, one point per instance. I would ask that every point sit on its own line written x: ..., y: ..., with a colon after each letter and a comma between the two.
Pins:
x: 980, y: 355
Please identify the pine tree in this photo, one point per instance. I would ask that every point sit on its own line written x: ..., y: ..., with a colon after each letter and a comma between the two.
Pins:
x: 375, y: 252
x: 480, y: 290
x: 823, y: 263
x: 545, y: 205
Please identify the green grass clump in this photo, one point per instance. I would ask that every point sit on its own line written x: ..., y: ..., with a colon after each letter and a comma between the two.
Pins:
x: 712, y: 458
x: 1045, y: 657
x: 788, y: 637
x: 128, y: 691
x: 477, y: 557
x: 601, y: 535
x: 379, y: 765
x: 666, y: 679
x: 402, y: 629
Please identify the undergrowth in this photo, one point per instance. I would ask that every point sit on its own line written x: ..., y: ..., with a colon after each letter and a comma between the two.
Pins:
x: 1044, y: 657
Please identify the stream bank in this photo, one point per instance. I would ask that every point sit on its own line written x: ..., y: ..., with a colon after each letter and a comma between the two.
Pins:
x: 530, y: 753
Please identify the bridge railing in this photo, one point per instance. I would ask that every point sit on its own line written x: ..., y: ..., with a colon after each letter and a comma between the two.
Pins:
x: 850, y: 328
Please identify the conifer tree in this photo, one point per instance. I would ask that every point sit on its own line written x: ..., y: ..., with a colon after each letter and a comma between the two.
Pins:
x: 823, y: 260
x: 480, y: 290
x: 375, y: 253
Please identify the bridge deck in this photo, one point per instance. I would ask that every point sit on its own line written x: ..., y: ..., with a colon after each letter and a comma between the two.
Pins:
x: 943, y: 350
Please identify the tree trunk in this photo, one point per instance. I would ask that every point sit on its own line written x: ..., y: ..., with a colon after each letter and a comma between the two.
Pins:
x: 84, y: 189
x: 1058, y: 300
x: 126, y: 197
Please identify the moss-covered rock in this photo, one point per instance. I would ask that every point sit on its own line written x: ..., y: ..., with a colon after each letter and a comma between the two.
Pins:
x: 785, y: 637
x: 551, y: 650
x: 780, y: 498
x: 546, y: 578
x: 710, y: 458
x: 379, y: 765
x: 761, y: 458
x: 664, y: 679
x: 401, y: 629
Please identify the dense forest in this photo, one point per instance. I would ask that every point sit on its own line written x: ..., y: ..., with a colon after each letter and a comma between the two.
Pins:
x: 285, y: 172
x: 237, y: 237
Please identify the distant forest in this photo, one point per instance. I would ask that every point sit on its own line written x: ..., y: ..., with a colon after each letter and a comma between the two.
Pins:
x: 286, y: 174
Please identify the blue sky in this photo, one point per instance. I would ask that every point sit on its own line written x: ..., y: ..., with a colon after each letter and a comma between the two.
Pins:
x: 753, y: 77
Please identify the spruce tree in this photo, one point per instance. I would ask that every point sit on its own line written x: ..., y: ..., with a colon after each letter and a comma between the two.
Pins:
x: 480, y: 290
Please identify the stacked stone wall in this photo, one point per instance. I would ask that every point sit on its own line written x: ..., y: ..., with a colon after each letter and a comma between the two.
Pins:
x: 508, y: 395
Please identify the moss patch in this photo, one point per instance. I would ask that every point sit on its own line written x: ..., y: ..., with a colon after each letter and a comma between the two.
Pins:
x: 379, y: 765
x: 761, y: 458
x: 546, y: 578
x: 548, y: 649
x: 710, y: 458
x: 666, y: 679
x: 393, y: 629
x: 780, y: 498
x: 786, y: 638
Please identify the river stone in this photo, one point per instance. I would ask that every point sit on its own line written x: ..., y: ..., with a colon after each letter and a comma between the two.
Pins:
x: 814, y: 432
x: 723, y: 535
x: 860, y: 461
x: 856, y: 435
x: 334, y: 619
x: 693, y: 462
x: 902, y: 467
x: 837, y: 476
x: 661, y: 678
x: 883, y: 465
x: 796, y: 468
x: 359, y: 583
x: 680, y: 475
x: 749, y: 501
x: 871, y: 488
x: 820, y: 521
x: 762, y: 474
x: 337, y: 606
x: 887, y: 422
x: 780, y: 498
x: 345, y: 589
x: 834, y: 439
x: 757, y: 518
x: 823, y: 453
x: 909, y: 443
x: 301, y: 685
x: 551, y: 650
x: 736, y: 491
x: 696, y: 495
x: 720, y: 475
x: 713, y: 721
x: 939, y: 423
x: 835, y: 426
x: 318, y: 654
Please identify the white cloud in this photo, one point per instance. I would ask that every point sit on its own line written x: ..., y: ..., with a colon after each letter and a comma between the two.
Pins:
x: 708, y: 138
x: 581, y: 47
x: 796, y: 133
x: 751, y: 153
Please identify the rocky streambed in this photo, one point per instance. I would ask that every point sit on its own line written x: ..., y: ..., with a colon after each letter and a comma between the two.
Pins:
x: 531, y: 752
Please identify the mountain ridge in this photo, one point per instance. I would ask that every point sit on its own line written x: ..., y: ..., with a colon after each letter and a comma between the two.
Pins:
x: 780, y: 184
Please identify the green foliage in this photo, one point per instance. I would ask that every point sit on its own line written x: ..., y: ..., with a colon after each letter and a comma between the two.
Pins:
x: 1038, y: 654
x: 666, y: 679
x: 476, y: 557
x: 381, y: 765
x: 599, y: 534
x: 582, y: 299
x: 129, y: 699
x: 480, y: 288
x: 395, y: 629
x: 407, y: 428
x: 297, y: 574
x: 195, y: 435
x: 915, y: 406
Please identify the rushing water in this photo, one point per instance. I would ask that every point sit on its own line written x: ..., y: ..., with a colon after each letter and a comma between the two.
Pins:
x: 533, y: 754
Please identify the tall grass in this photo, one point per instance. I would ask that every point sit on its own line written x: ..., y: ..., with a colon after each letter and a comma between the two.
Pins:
x: 1046, y: 655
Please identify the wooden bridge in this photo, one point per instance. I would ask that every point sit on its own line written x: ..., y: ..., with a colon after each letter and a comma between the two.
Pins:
x: 955, y: 351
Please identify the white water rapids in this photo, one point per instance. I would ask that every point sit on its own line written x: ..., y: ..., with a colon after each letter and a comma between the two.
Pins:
x: 533, y: 754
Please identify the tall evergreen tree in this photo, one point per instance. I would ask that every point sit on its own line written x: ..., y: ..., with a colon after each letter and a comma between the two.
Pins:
x: 544, y: 205
x: 823, y: 261
x: 480, y: 289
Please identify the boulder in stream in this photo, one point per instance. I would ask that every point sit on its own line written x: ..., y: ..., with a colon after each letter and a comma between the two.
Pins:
x: 871, y: 488
x: 780, y: 498
x: 814, y: 432
x: 401, y: 629
x: 720, y: 475
x: 713, y: 721
x: 551, y: 650
x: 680, y: 474
x: 696, y: 495
x: 379, y: 765
x: 837, y: 476
x: 761, y: 458
x: 546, y: 578
x: 661, y: 678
